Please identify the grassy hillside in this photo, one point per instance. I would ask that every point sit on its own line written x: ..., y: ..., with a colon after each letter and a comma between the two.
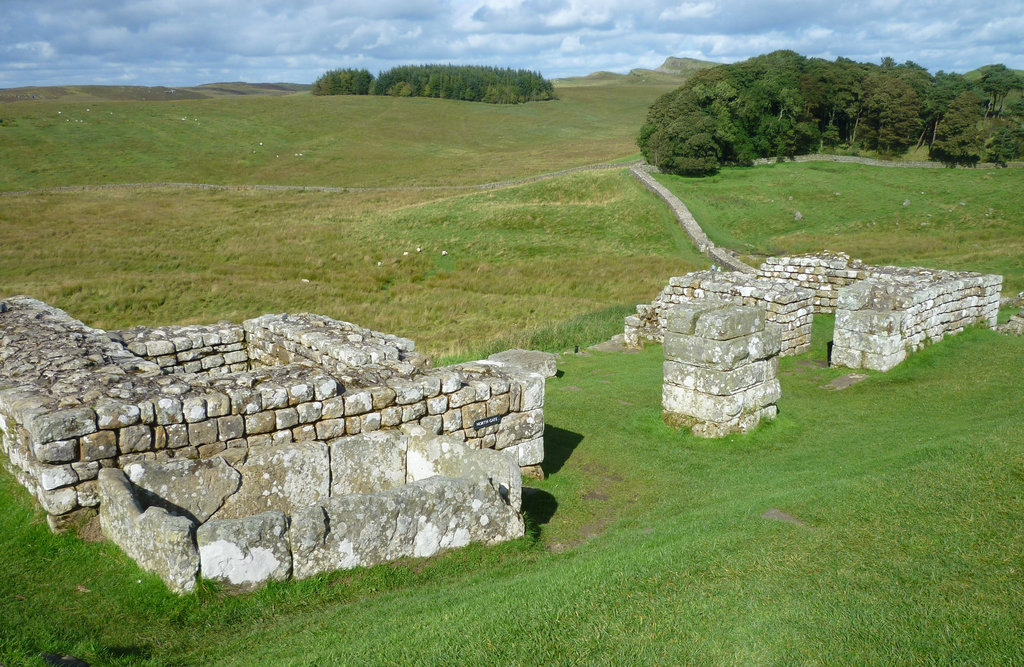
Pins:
x: 955, y: 219
x: 307, y: 140
x: 146, y: 93
x: 532, y: 255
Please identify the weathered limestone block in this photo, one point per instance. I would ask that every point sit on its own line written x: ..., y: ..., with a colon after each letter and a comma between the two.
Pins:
x: 368, y: 463
x: 721, y: 366
x: 160, y: 542
x: 187, y: 487
x: 245, y: 553
x: 280, y: 479
x: 530, y: 360
x: 429, y: 455
x: 419, y: 519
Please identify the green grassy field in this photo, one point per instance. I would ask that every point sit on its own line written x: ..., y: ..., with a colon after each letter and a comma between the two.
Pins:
x: 645, y: 545
x: 519, y: 260
x: 329, y: 141
x: 961, y: 219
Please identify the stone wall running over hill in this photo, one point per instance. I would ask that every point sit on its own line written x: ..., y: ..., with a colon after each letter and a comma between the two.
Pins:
x: 688, y: 222
x: 74, y: 399
x: 786, y: 304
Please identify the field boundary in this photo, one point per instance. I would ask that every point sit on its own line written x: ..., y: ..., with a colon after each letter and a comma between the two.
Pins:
x: 686, y: 220
x: 328, y: 188
x: 874, y: 162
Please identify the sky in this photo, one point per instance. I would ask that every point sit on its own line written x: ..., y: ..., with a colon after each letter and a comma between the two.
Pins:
x: 189, y: 42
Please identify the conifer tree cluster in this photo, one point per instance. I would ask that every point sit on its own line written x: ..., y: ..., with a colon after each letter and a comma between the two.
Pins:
x: 783, y: 104
x: 457, y: 82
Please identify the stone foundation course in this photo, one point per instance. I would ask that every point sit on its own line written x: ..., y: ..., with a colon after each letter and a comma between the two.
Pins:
x: 305, y: 508
x: 75, y: 400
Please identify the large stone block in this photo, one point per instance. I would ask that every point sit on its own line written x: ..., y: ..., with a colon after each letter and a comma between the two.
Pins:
x: 187, y: 487
x: 720, y: 383
x: 430, y: 455
x: 280, y: 479
x: 160, y: 542
x: 367, y: 463
x: 247, y: 552
x: 533, y: 361
x: 418, y: 519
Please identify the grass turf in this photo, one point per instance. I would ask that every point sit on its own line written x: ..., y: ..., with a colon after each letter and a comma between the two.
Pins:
x: 962, y: 219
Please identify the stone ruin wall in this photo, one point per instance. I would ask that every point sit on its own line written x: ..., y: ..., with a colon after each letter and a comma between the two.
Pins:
x: 881, y: 319
x: 884, y: 312
x: 74, y: 400
x: 824, y: 274
x: 790, y: 306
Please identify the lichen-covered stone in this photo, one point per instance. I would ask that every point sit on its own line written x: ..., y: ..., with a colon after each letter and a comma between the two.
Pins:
x: 245, y: 553
x: 157, y: 540
x: 534, y: 361
x: 721, y: 363
x: 280, y: 479
x: 419, y: 519
x: 368, y: 463
x: 191, y: 488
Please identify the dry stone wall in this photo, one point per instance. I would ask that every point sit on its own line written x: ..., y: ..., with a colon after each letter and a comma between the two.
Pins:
x: 885, y: 312
x: 883, y: 318
x: 788, y: 305
x: 75, y: 400
x: 721, y: 368
x: 215, y: 349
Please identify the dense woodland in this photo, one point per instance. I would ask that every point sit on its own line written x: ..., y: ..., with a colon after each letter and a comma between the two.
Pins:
x: 455, y: 82
x: 783, y: 104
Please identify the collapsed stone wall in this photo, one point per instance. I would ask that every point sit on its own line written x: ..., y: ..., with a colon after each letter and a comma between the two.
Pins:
x: 721, y: 368
x: 883, y: 318
x: 306, y: 508
x: 785, y: 304
x: 75, y: 400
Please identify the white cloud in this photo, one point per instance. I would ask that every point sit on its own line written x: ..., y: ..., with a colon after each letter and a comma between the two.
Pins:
x: 688, y: 10
x: 182, y: 42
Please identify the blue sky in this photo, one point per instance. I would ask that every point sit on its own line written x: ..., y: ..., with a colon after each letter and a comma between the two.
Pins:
x: 188, y: 42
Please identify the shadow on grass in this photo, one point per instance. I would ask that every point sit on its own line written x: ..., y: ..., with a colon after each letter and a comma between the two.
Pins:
x: 538, y: 508
x: 558, y: 447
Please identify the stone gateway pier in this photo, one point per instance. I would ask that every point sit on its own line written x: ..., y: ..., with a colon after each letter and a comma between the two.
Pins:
x: 721, y: 368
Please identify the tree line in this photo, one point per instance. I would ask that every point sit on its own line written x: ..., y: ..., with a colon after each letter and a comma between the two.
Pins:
x: 783, y: 104
x: 455, y: 82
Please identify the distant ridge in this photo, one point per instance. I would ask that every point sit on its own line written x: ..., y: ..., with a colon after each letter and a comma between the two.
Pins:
x: 147, y: 93
x: 672, y: 72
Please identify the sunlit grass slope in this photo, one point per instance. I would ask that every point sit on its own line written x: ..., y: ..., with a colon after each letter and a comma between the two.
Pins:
x: 305, y: 140
x: 518, y: 259
x: 965, y: 219
x: 647, y: 546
